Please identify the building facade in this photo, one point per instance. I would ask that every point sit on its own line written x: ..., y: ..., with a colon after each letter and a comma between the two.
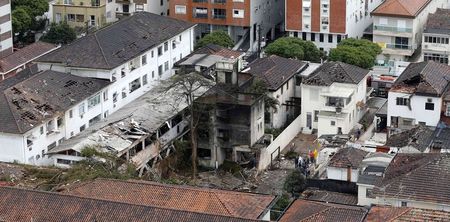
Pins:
x: 332, y: 101
x: 327, y: 22
x: 398, y: 27
x: 417, y: 96
x: 436, y: 35
x: 246, y: 21
x: 6, y: 37
x: 83, y: 13
x: 129, y: 7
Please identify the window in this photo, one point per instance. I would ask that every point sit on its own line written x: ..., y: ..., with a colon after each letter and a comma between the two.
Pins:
x: 321, y: 37
x: 105, y: 95
x: 304, y: 35
x: 144, y: 60
x: 80, y: 18
x: 298, y: 80
x: 135, y: 84
x: 238, y: 13
x: 160, y: 70
x: 174, y: 44
x: 287, y: 85
x: 82, y: 128
x: 153, y: 74
x: 441, y: 58
x: 429, y: 106
x: 93, y: 101
x: 152, y: 53
x: 219, y: 13
x: 166, y: 66
x: 160, y: 51
x: 228, y: 77
x: 124, y: 93
x: 439, y: 40
x: 71, y: 17
x: 402, y: 101
x: 81, y: 110
x: 179, y: 38
x: 316, y: 115
x: 42, y: 130
x: 330, y: 38
x: 115, y: 95
x: 144, y: 79
x: 333, y: 123
x: 313, y: 37
x: 166, y: 46
x: 338, y: 38
x: 282, y: 90
x: 404, y: 204
x: 71, y: 114
x: 180, y: 9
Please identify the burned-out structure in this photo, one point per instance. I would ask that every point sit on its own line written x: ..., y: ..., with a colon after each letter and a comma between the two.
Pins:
x: 231, y: 117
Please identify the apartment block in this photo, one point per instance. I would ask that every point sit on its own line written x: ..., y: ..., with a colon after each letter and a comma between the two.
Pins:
x: 398, y: 26
x: 84, y: 13
x: 6, y: 40
x: 242, y: 19
x: 327, y: 22
x: 436, y: 35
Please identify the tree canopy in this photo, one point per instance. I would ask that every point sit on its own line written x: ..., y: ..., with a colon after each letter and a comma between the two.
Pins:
x: 359, y: 52
x: 25, y: 12
x: 217, y: 37
x: 60, y: 34
x: 291, y: 47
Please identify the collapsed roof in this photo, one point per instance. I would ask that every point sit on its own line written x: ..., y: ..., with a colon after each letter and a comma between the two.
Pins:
x: 336, y: 72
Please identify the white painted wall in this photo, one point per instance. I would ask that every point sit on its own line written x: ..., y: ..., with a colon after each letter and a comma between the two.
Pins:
x: 417, y: 112
x: 334, y: 173
x: 267, y: 13
x: 257, y: 122
x: 279, y: 116
x: 412, y: 203
x: 363, y: 200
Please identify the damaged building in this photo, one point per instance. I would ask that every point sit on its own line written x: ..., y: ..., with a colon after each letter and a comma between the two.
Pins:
x: 40, y: 109
x: 141, y: 132
x: 231, y: 117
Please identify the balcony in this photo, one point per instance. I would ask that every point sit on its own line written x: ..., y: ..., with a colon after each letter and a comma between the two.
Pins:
x: 200, y: 1
x: 392, y: 31
x: 399, y: 49
x: 200, y: 15
x: 219, y: 1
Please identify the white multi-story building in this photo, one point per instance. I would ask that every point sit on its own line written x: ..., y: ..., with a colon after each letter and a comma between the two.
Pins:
x: 327, y: 22
x: 436, y: 35
x: 279, y: 76
x: 398, y: 27
x: 333, y: 97
x: 129, y: 57
x: 41, y: 109
x: 6, y: 40
x: 417, y: 95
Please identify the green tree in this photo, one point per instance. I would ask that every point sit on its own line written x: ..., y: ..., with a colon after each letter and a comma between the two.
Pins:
x: 290, y: 47
x: 259, y: 87
x: 21, y: 20
x: 25, y: 12
x: 358, y: 52
x: 60, y: 34
x: 295, y: 183
x: 217, y: 37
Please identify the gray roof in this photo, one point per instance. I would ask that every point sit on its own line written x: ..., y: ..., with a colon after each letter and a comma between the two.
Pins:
x: 425, y: 78
x: 275, y: 70
x: 418, y: 137
x: 347, y: 157
x: 118, y: 43
x: 438, y: 22
x: 30, y: 98
x: 420, y: 177
x: 331, y: 72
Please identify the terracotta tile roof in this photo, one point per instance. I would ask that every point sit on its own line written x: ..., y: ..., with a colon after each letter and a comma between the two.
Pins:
x: 202, y: 200
x: 20, y: 205
x: 306, y: 210
x: 331, y: 72
x: 275, y: 70
x: 330, y: 197
x: 425, y: 78
x: 346, y: 157
x: 401, y: 8
x: 25, y: 55
x: 408, y: 178
x: 401, y: 214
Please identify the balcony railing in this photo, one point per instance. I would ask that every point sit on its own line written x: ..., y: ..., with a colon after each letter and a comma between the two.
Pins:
x: 219, y: 1
x: 198, y: 15
x: 399, y: 46
x: 391, y: 29
x: 219, y: 16
x: 200, y: 1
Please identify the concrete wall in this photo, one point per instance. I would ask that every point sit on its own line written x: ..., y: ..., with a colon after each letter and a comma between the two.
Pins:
x: 334, y: 173
x: 282, y: 141
x: 412, y: 203
x: 363, y: 200
x: 279, y: 117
